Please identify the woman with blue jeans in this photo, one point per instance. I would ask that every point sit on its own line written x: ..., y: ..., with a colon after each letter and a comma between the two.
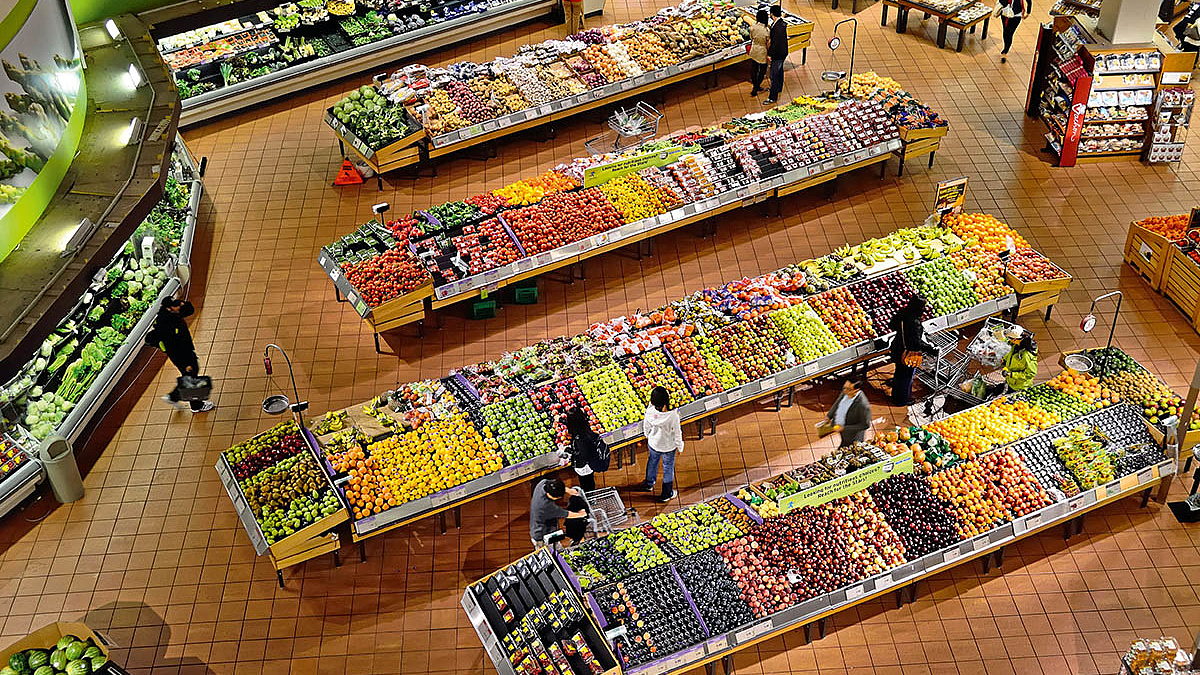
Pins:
x: 664, y: 437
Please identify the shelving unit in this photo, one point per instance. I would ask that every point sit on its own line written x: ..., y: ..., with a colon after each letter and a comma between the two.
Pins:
x: 1079, y: 79
x: 1169, y: 124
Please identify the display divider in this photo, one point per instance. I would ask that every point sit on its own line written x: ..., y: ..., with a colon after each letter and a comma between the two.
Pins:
x: 745, y: 507
x: 687, y: 595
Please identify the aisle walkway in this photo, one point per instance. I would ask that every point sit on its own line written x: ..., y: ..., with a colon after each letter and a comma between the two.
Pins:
x: 155, y: 556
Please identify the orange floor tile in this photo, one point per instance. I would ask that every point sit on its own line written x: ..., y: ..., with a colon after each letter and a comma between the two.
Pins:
x: 154, y: 555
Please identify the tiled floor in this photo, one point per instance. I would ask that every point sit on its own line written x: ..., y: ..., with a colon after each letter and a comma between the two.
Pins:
x: 154, y: 554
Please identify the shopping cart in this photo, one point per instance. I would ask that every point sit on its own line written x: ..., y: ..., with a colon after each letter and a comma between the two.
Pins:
x: 606, y: 511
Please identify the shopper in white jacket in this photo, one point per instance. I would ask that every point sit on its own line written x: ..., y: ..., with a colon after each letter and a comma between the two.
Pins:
x: 664, y: 438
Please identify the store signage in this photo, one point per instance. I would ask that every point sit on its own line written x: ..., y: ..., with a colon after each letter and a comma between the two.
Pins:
x: 848, y: 484
x: 598, y: 175
x: 950, y: 196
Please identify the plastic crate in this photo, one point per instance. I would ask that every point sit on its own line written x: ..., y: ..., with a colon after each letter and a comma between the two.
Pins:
x: 483, y: 309
x: 525, y: 294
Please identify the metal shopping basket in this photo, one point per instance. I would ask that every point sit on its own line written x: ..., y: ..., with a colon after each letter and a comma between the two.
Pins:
x: 606, y: 511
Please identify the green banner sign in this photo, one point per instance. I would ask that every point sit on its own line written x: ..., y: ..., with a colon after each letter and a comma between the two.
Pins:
x: 844, y: 486
x: 598, y: 175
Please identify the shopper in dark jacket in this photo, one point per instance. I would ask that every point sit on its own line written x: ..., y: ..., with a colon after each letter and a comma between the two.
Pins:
x: 1011, y: 12
x: 909, y: 339
x: 171, y: 335
x: 851, y: 413
x: 777, y: 52
x: 583, y: 447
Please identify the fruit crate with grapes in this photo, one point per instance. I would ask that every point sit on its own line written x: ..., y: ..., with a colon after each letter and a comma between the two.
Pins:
x: 1148, y: 252
x: 297, y: 529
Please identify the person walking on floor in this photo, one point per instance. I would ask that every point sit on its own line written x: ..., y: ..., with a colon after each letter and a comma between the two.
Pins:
x: 551, y: 502
x: 907, y: 347
x: 777, y: 52
x: 664, y: 439
x: 171, y: 335
x: 1010, y: 12
x: 760, y: 32
x: 588, y: 452
x: 573, y: 12
x: 851, y: 413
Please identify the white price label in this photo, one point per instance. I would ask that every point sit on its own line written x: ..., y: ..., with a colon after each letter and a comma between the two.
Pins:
x: 810, y: 368
x: 1167, y: 468
x: 335, y: 274
x: 768, y: 383
x: 712, y: 403
x: 980, y: 543
x: 1146, y: 475
x: 718, y: 644
x: 855, y: 592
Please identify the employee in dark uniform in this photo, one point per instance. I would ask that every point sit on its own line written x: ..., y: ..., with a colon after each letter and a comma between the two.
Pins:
x: 171, y: 335
x: 777, y: 52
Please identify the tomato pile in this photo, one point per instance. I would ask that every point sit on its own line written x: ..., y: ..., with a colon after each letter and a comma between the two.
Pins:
x: 561, y: 219
x: 388, y: 275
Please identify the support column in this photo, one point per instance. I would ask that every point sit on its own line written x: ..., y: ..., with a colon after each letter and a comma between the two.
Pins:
x: 1127, y: 21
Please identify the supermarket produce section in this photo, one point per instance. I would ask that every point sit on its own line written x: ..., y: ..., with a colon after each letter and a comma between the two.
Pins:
x: 432, y: 445
x: 693, y: 586
x: 400, y: 272
x: 419, y: 113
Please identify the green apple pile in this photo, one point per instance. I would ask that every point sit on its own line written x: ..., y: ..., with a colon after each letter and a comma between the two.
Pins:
x: 522, y: 432
x: 695, y: 529
x: 805, y: 332
x: 611, y: 397
x: 710, y: 349
x: 289, y: 496
x: 946, y: 289
x: 637, y: 548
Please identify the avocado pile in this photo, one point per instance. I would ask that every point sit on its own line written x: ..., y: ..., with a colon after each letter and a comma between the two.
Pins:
x: 70, y: 656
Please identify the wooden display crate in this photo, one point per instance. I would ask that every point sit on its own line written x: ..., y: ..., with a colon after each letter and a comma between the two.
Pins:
x: 1181, y: 282
x: 908, y: 135
x: 317, y: 546
x: 46, y: 636
x: 1031, y: 287
x: 1037, y: 302
x: 1147, y: 253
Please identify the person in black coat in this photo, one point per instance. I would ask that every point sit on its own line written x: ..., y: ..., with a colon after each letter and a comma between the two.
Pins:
x: 583, y: 447
x: 777, y: 52
x: 171, y: 335
x: 910, y: 337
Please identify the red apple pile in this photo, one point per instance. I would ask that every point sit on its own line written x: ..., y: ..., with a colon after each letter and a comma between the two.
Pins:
x: 755, y: 347
x: 556, y: 399
x: 696, y: 373
x: 1028, y: 265
x: 763, y: 586
x: 883, y: 296
x: 1013, y: 483
x: 388, y: 275
x: 843, y: 315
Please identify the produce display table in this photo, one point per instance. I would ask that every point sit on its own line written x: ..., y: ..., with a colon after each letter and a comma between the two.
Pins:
x: 436, y: 247
x: 304, y: 543
x: 390, y: 423
x: 507, y: 646
x: 947, y: 18
x: 352, y: 60
x: 421, y: 146
x: 1181, y: 283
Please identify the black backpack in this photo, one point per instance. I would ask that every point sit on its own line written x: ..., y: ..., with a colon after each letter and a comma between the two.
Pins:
x: 601, y: 456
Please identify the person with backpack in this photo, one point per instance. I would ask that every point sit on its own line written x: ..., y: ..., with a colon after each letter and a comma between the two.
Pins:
x: 588, y: 452
x: 664, y: 439
x: 171, y: 335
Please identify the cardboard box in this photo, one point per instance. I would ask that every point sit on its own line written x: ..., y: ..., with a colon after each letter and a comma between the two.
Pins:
x: 46, y: 636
